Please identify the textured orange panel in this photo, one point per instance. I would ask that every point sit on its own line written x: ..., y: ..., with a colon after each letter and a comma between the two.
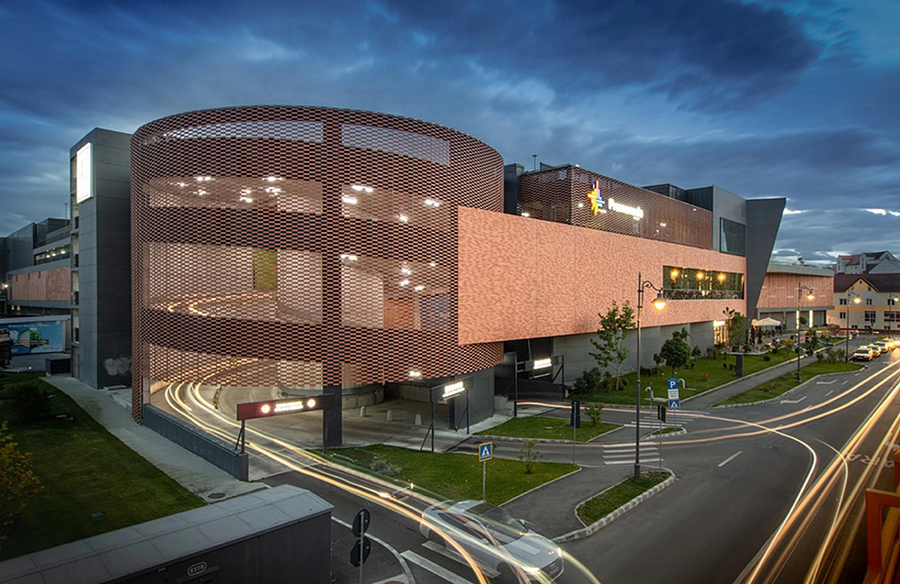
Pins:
x: 560, y: 195
x: 524, y: 278
x: 302, y: 247
x: 780, y: 291
x: 53, y: 284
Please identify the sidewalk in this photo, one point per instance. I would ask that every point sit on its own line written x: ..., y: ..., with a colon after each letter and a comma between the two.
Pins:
x: 113, y: 411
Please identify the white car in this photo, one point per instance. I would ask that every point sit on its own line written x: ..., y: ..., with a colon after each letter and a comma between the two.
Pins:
x: 501, y: 544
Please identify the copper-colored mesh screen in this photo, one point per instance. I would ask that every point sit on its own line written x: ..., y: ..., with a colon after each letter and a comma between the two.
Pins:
x: 560, y: 195
x: 301, y: 247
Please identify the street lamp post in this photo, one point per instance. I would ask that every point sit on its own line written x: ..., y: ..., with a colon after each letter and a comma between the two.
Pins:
x: 856, y: 300
x: 658, y: 303
x: 800, y: 289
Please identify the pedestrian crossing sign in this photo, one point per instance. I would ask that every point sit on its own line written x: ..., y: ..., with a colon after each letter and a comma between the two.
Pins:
x: 485, y: 451
x: 674, y: 404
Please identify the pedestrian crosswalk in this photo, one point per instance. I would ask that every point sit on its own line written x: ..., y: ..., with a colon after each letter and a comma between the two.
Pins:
x: 614, y: 454
x: 623, y: 453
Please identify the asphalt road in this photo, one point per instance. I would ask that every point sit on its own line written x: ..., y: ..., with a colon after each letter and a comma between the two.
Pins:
x: 740, y: 471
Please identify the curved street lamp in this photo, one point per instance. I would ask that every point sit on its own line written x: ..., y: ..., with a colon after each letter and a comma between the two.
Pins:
x: 658, y: 303
x: 810, y: 296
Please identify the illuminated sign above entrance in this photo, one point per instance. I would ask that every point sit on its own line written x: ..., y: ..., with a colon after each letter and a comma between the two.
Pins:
x: 453, y: 390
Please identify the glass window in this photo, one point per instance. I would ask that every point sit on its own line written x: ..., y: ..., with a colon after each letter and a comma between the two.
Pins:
x: 870, y: 316
x: 685, y: 283
x: 732, y: 237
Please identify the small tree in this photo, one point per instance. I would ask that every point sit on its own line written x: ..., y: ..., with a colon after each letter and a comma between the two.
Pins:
x: 812, y: 342
x: 734, y: 324
x: 676, y: 352
x: 529, y: 455
x: 18, y: 483
x: 593, y: 411
x: 610, y: 342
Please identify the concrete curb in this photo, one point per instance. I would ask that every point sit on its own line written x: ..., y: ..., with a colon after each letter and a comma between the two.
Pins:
x: 604, y: 521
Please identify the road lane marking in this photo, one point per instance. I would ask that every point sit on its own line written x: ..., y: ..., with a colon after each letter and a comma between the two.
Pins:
x: 793, y: 401
x: 730, y: 458
x: 643, y: 461
x: 826, y: 382
x: 829, y: 393
x: 435, y: 569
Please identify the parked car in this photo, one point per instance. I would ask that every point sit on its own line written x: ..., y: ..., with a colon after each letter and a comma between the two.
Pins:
x: 501, y: 544
x: 863, y: 353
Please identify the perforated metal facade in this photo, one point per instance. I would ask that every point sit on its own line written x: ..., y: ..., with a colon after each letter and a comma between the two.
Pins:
x: 301, y: 247
x: 561, y: 195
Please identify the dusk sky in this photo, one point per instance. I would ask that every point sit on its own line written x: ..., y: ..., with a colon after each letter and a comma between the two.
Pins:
x: 795, y: 99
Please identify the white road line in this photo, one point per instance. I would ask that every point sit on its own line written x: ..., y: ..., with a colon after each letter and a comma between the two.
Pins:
x: 793, y: 401
x: 643, y: 461
x: 730, y: 458
x: 829, y: 393
x: 434, y: 568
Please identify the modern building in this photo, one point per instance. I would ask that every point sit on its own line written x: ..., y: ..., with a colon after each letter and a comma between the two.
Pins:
x: 880, y: 262
x: 791, y: 291
x: 867, y: 302
x: 101, y: 260
x: 307, y: 249
x: 35, y: 294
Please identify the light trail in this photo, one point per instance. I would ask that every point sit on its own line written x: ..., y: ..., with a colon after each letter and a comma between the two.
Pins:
x: 803, y: 514
x: 321, y: 469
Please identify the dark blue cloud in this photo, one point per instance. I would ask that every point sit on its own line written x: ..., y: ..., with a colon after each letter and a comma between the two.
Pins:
x: 764, y: 97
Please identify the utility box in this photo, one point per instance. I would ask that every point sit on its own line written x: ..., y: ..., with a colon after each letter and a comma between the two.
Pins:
x: 739, y: 364
x: 58, y: 365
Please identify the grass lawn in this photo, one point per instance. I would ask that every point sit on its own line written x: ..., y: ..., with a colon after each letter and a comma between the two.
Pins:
x: 706, y: 374
x: 608, y: 501
x: 539, y: 427
x: 780, y: 385
x: 449, y: 476
x: 92, y: 483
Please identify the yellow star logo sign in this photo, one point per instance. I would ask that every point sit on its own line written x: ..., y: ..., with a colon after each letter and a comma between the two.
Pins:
x: 596, y: 199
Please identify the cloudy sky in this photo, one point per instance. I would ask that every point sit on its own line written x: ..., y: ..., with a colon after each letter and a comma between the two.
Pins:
x: 797, y: 99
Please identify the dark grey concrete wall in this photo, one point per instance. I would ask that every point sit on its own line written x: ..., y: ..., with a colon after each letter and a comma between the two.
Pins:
x: 104, y: 249
x: 763, y: 222
x: 208, y: 448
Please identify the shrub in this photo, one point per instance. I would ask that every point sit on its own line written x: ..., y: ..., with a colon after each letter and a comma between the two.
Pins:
x: 695, y: 352
x: 820, y: 356
x: 704, y: 377
x: 29, y: 402
x: 593, y: 411
x: 529, y: 455
x: 383, y: 467
x: 767, y: 358
x: 19, y: 482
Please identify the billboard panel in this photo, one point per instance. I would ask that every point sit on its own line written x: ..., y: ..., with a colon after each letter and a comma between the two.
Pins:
x: 37, y: 337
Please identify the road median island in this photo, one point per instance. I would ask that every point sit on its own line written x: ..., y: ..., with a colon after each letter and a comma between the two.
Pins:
x: 775, y: 388
x: 542, y: 428
x: 607, y: 506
